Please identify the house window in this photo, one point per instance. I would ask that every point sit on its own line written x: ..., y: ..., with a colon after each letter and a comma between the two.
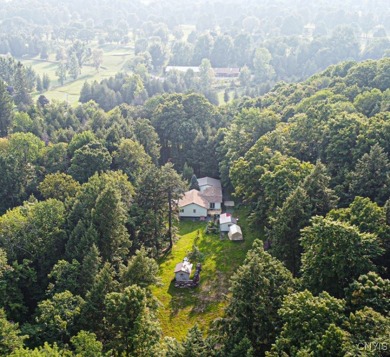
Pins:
x: 212, y: 205
x: 194, y: 210
x: 182, y: 210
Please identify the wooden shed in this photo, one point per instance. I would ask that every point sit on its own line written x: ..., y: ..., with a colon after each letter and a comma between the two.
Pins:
x: 235, y: 232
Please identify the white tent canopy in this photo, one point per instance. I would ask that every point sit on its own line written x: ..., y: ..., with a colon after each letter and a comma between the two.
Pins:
x: 235, y: 232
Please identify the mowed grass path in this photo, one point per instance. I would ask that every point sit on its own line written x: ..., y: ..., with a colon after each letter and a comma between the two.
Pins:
x: 181, y: 308
x: 114, y: 61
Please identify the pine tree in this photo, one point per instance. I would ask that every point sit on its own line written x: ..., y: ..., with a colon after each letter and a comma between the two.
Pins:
x: 109, y: 219
x: 285, y: 232
x: 371, y: 177
x: 194, y: 184
x: 194, y: 344
x: 94, y: 308
x: 257, y: 291
x: 46, y: 82
x: 5, y: 110
x: 86, y: 93
x: 61, y: 72
x: 73, y: 67
x: 316, y: 185
x: 90, y: 268
x: 39, y: 84
x: 21, y: 94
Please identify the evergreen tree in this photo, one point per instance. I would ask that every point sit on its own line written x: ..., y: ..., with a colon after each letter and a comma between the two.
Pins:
x: 39, y: 84
x: 317, y: 186
x: 73, y: 66
x: 45, y: 82
x: 194, y: 344
x: 6, y: 113
x: 86, y: 93
x: 371, y: 177
x: 90, y: 268
x: 369, y: 290
x: 257, y: 291
x: 109, y: 219
x: 194, y: 184
x: 94, y: 308
x: 21, y: 94
x: 285, y: 232
x: 61, y: 72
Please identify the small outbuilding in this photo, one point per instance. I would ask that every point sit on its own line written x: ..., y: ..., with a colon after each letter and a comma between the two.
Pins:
x: 183, y: 270
x: 235, y: 232
x: 225, y: 221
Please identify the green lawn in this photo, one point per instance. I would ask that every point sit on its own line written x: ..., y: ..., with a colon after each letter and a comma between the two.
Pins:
x: 114, y: 59
x: 181, y: 308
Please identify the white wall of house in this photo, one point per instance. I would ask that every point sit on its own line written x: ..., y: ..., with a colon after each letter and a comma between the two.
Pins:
x: 192, y: 210
x: 224, y: 227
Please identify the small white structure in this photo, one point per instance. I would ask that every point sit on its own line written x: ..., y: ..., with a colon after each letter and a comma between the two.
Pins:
x: 225, y: 221
x: 229, y: 203
x: 183, y: 270
x: 182, y: 69
x: 235, y: 232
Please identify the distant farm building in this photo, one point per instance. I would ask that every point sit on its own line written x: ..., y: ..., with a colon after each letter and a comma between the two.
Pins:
x: 225, y: 221
x: 183, y: 270
x: 235, y: 232
x: 227, y: 72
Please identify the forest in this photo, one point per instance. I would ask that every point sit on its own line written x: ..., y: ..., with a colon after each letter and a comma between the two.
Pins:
x: 89, y: 190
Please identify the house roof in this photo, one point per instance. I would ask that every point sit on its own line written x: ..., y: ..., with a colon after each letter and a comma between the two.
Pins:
x: 195, y: 197
x: 235, y: 229
x: 209, y: 181
x: 212, y: 194
x: 183, y: 267
x: 226, y: 218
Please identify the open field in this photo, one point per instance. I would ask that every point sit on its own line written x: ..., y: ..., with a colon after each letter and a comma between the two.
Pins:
x: 114, y: 60
x: 181, y: 308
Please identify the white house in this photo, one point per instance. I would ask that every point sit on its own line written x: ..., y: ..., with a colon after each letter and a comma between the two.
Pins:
x: 183, y: 270
x: 193, y: 205
x: 225, y: 221
x: 203, y: 203
x: 235, y: 232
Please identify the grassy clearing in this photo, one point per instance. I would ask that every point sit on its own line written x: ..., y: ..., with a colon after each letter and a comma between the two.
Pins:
x: 114, y: 60
x: 181, y: 308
